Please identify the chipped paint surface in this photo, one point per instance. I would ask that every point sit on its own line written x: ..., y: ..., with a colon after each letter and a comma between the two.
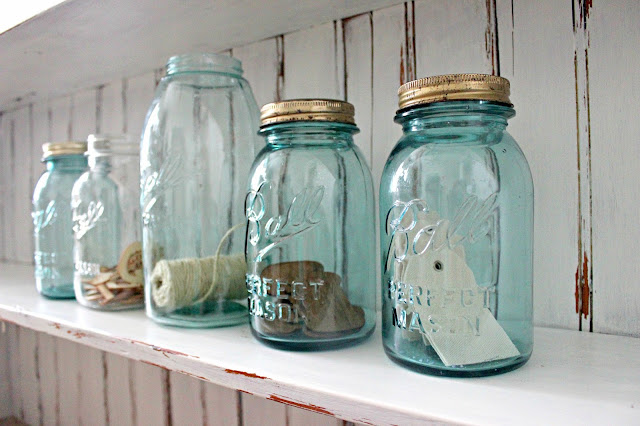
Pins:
x: 242, y: 373
x: 302, y: 405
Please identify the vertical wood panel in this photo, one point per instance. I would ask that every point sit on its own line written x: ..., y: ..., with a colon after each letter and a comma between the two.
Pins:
x: 48, y: 369
x: 92, y: 374
x: 14, y: 371
x: 222, y: 405
x: 187, y: 400
x: 451, y: 39
x: 151, y: 392
x: 545, y: 128
x: 68, y: 369
x: 299, y: 417
x: 6, y: 175
x: 311, y: 68
x: 262, y: 68
x: 614, y: 89
x: 118, y: 392
x: 59, y: 115
x: 5, y: 384
x: 83, y: 118
x: 40, y: 136
x: 110, y: 107
x: 258, y: 411
x: 140, y: 90
x: 22, y: 224
x: 29, y: 376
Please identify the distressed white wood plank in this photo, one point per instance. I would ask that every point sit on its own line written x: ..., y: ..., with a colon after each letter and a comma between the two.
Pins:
x: 151, y: 390
x: 21, y: 184
x: 14, y: 373
x: 40, y: 136
x: 29, y: 376
x: 352, y: 383
x: 187, y: 400
x: 48, y: 369
x: 59, y: 117
x: 118, y: 392
x: 110, y: 112
x: 7, y: 170
x: 257, y: 411
x: 138, y: 97
x: 68, y: 369
x: 545, y: 128
x: 222, y: 405
x: 299, y: 417
x: 83, y: 114
x: 262, y: 68
x: 5, y: 378
x: 451, y: 39
x: 311, y: 68
x: 358, y: 47
x: 93, y: 398
x: 614, y: 96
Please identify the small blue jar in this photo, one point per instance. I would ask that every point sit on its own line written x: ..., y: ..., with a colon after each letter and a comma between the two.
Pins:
x: 456, y: 228
x: 311, y: 229
x: 52, y: 224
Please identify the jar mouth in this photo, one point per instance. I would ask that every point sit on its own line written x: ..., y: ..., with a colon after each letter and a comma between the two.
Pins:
x: 204, y: 62
x: 107, y: 144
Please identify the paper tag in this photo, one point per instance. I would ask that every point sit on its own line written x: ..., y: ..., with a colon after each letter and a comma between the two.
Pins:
x: 453, y: 310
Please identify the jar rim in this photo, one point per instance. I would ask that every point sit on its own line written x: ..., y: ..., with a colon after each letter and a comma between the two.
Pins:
x: 449, y: 107
x: 203, y: 62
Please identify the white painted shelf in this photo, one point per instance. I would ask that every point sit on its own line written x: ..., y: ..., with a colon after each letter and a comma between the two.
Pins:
x: 572, y: 377
x: 83, y: 43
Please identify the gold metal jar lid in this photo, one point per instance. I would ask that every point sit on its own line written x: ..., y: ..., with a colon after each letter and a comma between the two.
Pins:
x: 307, y: 110
x: 454, y: 87
x: 54, y: 149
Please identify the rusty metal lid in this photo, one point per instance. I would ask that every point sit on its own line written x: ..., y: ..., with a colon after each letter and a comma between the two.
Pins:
x: 307, y: 110
x: 55, y: 149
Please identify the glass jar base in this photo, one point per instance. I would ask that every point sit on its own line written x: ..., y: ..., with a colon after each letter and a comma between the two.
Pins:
x: 231, y: 313
x: 113, y: 307
x: 285, y: 343
x: 476, y: 370
x: 57, y: 292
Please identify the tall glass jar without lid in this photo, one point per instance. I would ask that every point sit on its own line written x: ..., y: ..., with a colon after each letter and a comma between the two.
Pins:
x: 311, y: 229
x: 53, y: 255
x: 198, y: 142
x: 456, y: 216
x: 106, y: 225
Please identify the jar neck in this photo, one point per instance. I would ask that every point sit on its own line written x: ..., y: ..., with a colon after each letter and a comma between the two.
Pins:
x: 454, y: 115
x: 67, y: 163
x: 309, y: 133
x: 204, y: 63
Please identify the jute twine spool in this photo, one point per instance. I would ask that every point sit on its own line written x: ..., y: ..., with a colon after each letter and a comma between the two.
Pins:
x: 183, y: 282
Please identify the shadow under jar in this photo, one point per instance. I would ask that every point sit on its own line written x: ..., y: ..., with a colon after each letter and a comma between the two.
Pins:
x: 198, y: 142
x: 311, y: 229
x: 106, y: 226
x: 456, y: 229
x: 51, y: 215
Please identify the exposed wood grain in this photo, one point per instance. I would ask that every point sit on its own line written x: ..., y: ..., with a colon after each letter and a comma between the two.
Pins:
x: 29, y: 377
x: 258, y: 411
x: 545, y: 128
x: 21, y: 137
x: 311, y: 65
x: 299, y: 417
x: 221, y: 405
x: 69, y: 377
x: 261, y: 64
x: 451, y: 39
x: 614, y: 91
x: 186, y: 400
x: 49, y: 390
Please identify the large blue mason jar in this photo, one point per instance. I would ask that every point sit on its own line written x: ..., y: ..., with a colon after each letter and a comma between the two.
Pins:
x: 311, y: 229
x: 53, y: 255
x: 198, y: 142
x: 456, y: 224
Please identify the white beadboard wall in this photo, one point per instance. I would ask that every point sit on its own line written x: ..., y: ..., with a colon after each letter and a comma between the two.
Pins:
x: 573, y: 68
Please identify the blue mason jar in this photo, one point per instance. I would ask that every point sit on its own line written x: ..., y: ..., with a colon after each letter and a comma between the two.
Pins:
x: 51, y: 215
x: 197, y: 145
x: 456, y: 229
x: 311, y: 229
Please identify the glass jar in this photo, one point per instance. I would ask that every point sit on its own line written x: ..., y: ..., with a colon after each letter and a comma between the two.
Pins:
x: 311, y: 229
x: 456, y: 222
x: 106, y: 226
x: 51, y: 215
x: 199, y: 137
